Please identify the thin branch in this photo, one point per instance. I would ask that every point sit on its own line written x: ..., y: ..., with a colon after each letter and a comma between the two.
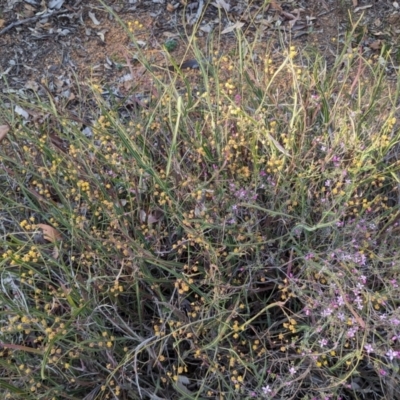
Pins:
x: 32, y: 19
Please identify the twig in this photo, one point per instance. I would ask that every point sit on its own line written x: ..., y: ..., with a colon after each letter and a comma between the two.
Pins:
x: 128, y: 62
x: 359, y: 72
x: 32, y: 19
x: 326, y: 12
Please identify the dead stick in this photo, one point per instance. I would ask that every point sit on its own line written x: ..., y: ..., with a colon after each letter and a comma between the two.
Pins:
x: 32, y: 19
x: 359, y: 72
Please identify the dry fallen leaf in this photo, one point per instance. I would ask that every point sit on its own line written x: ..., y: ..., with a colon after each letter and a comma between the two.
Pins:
x: 394, y: 19
x: 20, y: 111
x: 362, y: 8
x: 275, y: 6
x: 170, y: 7
x: 221, y: 4
x: 155, y: 216
x: 32, y: 85
x: 152, y: 217
x: 3, y: 131
x: 376, y: 45
x: 55, y: 253
x: 170, y: 35
x: 49, y: 233
x: 2, y: 22
x: 29, y: 11
x: 142, y: 216
x: 231, y: 28
x: 206, y: 28
x: 56, y: 4
x: 102, y: 34
x: 92, y: 16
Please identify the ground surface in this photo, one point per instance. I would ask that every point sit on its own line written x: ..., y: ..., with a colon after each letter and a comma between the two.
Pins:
x: 81, y: 41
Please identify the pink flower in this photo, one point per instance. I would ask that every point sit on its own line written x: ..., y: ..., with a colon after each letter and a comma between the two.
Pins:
x: 341, y: 316
x: 238, y: 99
x: 368, y: 348
x: 392, y: 354
x: 323, y: 342
x: 266, y: 389
x: 309, y: 256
